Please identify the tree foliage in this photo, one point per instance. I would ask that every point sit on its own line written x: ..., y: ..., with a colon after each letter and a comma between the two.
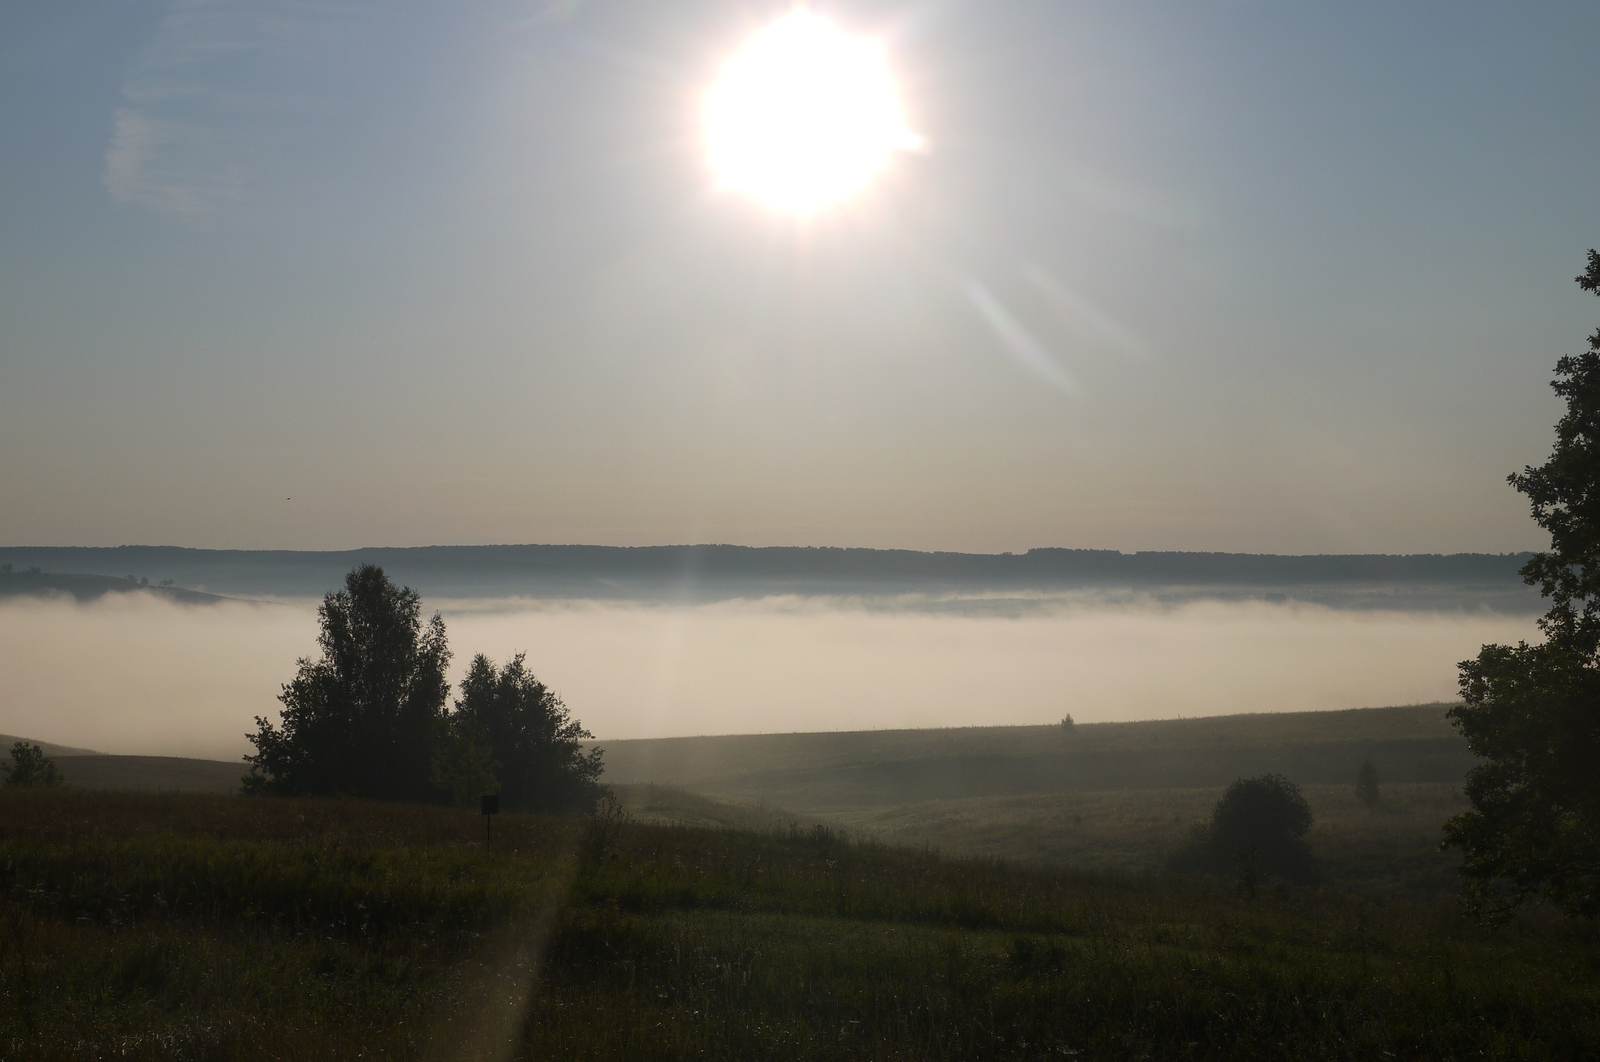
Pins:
x: 1532, y: 712
x: 30, y: 768
x: 367, y: 718
x: 531, y: 743
x: 1266, y: 809
x: 1258, y: 825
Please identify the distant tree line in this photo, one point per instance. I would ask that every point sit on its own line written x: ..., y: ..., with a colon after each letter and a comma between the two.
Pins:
x: 735, y: 570
x: 370, y: 717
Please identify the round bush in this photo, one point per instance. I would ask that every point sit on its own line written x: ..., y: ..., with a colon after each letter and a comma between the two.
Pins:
x: 1257, y: 829
x: 1265, y: 811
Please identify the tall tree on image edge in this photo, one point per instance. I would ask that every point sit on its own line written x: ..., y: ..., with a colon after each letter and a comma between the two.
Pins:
x: 1532, y: 712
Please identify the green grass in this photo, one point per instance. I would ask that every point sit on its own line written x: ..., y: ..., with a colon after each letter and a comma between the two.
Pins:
x: 211, y: 927
x: 663, y: 805
x: 1393, y: 848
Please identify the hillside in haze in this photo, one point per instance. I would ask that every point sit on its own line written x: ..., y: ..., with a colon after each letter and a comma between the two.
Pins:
x: 49, y: 748
x: 88, y: 769
x: 1114, y: 796
x: 823, y: 772
x: 1111, y: 796
x: 80, y: 587
x: 830, y: 772
x: 709, y: 572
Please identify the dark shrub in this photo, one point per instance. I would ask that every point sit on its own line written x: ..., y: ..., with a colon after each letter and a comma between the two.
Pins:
x: 1257, y: 830
x: 30, y: 768
x: 1367, y: 785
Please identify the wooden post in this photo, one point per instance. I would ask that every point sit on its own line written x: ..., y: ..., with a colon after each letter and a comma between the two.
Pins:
x: 491, y: 807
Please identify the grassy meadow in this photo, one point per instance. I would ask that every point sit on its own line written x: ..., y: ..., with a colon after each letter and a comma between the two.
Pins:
x: 1120, y: 797
x: 1116, y: 797
x: 196, y: 926
x: 1393, y: 848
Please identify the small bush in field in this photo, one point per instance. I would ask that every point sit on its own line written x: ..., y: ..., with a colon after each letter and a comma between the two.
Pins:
x: 1257, y: 830
x: 30, y: 768
x: 1367, y: 785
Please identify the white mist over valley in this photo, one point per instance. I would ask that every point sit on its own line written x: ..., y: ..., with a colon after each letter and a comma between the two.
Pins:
x: 131, y: 673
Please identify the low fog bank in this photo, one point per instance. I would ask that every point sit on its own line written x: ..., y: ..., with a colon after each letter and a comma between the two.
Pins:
x: 712, y: 573
x: 131, y: 673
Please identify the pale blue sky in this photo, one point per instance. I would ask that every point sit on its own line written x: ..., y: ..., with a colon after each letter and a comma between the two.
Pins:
x: 1283, y: 277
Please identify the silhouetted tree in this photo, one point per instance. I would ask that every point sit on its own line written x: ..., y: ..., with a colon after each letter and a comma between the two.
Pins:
x: 30, y: 768
x: 1532, y: 712
x: 366, y: 719
x: 1257, y: 828
x: 1367, y: 784
x: 513, y: 722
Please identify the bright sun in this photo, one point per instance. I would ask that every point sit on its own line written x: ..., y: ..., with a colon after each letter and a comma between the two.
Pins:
x: 803, y: 115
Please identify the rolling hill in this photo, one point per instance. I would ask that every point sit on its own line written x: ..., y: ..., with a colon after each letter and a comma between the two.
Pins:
x: 839, y: 771
x: 81, y: 587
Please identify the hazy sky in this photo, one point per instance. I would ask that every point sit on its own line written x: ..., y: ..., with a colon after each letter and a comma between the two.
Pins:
x: 1283, y: 277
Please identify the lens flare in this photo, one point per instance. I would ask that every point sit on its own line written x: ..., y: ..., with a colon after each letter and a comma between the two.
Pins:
x: 803, y: 115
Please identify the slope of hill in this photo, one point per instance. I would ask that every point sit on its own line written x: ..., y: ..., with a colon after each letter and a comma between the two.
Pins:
x: 162, y: 773
x: 839, y: 771
x: 1119, y: 796
x: 88, y: 769
x: 31, y: 583
x: 1112, y: 796
x: 49, y: 748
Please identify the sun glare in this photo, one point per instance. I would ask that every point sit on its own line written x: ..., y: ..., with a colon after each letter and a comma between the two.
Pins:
x: 803, y: 115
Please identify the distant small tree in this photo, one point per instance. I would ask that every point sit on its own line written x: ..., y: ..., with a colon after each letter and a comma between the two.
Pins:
x: 510, y: 721
x: 367, y: 718
x: 1257, y: 828
x: 30, y: 768
x: 1067, y: 723
x: 1367, y: 785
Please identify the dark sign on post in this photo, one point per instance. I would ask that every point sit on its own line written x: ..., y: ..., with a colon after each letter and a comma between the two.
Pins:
x: 491, y: 806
